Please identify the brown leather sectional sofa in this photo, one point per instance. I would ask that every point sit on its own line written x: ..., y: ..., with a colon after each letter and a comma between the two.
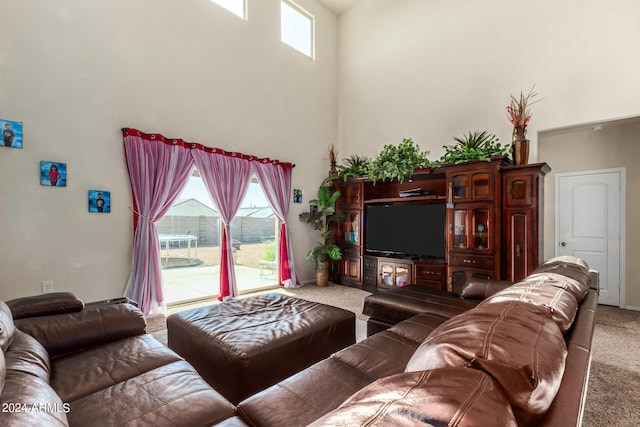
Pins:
x: 66, y: 364
x: 520, y: 357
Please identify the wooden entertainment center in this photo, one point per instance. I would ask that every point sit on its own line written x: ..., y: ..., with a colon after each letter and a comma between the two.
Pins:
x: 493, y: 225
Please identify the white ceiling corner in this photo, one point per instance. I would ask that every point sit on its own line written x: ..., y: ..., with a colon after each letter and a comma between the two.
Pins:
x: 339, y: 6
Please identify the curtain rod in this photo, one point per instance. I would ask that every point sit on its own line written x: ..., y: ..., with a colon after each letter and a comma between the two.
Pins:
x: 159, y: 137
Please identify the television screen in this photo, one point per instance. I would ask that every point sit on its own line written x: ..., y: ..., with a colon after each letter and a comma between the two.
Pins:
x: 415, y: 230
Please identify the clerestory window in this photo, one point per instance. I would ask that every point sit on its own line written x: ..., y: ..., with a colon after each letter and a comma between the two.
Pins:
x: 297, y: 27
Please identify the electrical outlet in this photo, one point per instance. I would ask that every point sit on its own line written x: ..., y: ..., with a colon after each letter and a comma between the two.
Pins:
x: 47, y: 286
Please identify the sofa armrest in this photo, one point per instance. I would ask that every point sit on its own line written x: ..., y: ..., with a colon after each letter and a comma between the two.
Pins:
x: 46, y: 304
x: 594, y: 283
x: 71, y: 332
x: 481, y: 288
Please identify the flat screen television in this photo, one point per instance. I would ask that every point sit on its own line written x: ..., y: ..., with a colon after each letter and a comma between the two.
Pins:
x: 412, y: 230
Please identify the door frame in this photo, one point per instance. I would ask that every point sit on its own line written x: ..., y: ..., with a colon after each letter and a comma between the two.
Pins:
x: 622, y: 171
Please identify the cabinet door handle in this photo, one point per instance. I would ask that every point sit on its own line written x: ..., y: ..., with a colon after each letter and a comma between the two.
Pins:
x: 517, y: 250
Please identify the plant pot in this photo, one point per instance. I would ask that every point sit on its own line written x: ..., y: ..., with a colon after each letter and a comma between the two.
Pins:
x: 521, y: 152
x: 322, y: 274
x: 520, y: 146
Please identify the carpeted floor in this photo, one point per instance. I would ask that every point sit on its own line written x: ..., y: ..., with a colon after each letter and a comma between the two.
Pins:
x: 612, y: 399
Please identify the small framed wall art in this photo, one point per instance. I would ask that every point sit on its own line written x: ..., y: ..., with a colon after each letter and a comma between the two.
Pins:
x: 297, y: 196
x: 53, y: 174
x: 11, y: 133
x: 99, y: 201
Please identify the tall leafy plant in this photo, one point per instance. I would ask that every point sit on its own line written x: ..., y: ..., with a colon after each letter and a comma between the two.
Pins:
x: 321, y: 218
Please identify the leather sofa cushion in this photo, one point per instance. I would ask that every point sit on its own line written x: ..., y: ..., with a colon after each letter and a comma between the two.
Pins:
x: 448, y: 396
x: 563, y: 261
x: 577, y: 288
x: 28, y: 356
x: 516, y: 343
x: 70, y: 332
x: 402, y: 303
x: 81, y: 374
x: 567, y: 272
x: 560, y: 301
x: 481, y: 288
x: 43, y: 305
x: 170, y: 395
x: 306, y: 396
x: 388, y: 352
x: 7, y: 327
x: 417, y: 328
x: 39, y: 404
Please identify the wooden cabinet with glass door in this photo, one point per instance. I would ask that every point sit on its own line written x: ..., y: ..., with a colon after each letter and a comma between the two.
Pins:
x: 393, y: 273
x: 473, y: 210
x: 472, y: 228
x: 470, y: 186
x: 471, y: 243
x: 348, y: 234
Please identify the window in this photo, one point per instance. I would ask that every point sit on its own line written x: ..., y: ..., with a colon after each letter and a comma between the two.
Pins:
x: 296, y: 27
x: 237, y: 7
x: 190, y: 235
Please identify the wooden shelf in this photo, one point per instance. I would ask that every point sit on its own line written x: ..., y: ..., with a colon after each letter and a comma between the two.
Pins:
x: 405, y: 199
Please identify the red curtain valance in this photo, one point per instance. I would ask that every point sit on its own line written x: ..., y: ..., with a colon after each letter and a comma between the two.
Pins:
x: 197, y: 146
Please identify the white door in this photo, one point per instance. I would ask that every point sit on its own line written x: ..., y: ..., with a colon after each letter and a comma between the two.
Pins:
x: 590, y: 225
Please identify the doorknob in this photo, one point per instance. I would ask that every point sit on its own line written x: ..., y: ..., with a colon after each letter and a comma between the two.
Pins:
x: 563, y: 244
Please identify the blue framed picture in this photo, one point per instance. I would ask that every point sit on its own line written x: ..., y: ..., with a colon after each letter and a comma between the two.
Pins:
x: 53, y: 174
x: 11, y: 134
x: 297, y: 196
x: 99, y: 201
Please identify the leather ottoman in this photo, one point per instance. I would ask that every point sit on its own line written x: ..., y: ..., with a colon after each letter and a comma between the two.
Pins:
x: 244, y: 345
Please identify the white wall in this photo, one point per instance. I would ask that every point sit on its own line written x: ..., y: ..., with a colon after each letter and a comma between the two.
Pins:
x: 76, y: 71
x: 432, y: 70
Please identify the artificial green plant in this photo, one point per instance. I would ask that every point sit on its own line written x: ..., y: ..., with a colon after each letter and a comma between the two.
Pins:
x: 398, y: 162
x: 477, y: 145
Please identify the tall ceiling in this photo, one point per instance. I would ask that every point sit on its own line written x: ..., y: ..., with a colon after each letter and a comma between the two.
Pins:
x: 338, y: 6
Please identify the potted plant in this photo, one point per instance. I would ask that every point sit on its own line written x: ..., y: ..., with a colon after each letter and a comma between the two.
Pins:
x: 353, y: 166
x: 477, y: 145
x: 322, y: 214
x: 397, y: 162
